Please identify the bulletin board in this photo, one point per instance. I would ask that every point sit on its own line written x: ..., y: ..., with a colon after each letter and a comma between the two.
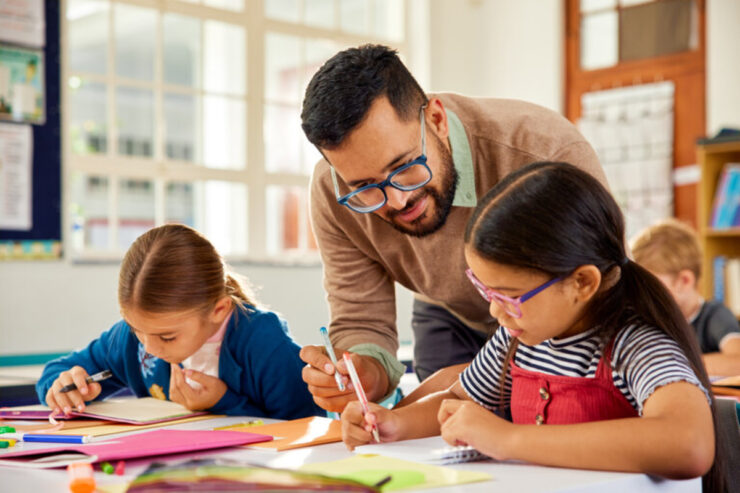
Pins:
x: 631, y: 130
x: 43, y: 239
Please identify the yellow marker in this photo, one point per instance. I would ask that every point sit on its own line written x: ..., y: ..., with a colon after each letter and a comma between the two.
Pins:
x: 247, y: 424
x: 7, y: 442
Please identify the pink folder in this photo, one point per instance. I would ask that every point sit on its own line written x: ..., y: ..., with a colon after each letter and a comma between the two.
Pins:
x: 146, y: 444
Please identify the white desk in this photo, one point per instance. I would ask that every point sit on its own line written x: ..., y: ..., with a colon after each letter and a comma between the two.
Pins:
x: 507, y: 477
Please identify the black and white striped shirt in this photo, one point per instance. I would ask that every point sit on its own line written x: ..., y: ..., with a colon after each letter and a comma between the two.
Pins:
x: 643, y: 359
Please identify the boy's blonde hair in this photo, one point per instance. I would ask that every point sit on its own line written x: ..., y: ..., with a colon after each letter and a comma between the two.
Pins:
x: 668, y: 247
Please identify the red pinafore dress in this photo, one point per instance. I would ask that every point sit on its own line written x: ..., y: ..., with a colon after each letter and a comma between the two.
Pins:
x: 539, y: 398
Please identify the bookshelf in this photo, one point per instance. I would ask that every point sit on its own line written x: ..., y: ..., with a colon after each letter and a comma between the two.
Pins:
x: 714, y: 242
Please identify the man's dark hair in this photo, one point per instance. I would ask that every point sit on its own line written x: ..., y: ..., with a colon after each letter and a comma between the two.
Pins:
x: 341, y: 92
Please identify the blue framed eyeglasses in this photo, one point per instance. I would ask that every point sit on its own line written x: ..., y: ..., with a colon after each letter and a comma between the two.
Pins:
x: 408, y: 177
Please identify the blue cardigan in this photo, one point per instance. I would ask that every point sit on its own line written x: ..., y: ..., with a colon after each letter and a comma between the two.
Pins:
x: 258, y: 362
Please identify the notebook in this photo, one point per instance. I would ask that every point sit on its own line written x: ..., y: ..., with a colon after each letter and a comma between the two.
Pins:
x: 144, y: 410
x: 296, y: 433
x: 146, y: 444
x: 99, y: 428
x: 432, y: 450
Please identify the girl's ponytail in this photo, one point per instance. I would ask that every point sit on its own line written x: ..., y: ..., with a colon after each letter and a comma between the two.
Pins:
x: 648, y: 298
x: 239, y: 291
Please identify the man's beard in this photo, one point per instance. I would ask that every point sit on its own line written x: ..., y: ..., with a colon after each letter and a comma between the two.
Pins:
x: 442, y: 200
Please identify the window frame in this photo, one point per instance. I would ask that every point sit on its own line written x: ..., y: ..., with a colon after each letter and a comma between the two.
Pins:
x: 159, y: 169
x: 687, y: 70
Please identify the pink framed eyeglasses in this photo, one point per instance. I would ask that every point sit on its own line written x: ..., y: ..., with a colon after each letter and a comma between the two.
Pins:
x: 512, y: 306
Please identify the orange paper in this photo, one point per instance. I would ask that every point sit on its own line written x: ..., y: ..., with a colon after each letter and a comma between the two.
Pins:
x: 296, y: 433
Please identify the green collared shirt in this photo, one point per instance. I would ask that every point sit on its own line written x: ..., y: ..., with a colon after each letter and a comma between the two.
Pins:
x: 464, y: 197
x: 463, y: 160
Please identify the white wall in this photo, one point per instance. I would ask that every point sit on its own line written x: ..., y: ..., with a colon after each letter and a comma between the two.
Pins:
x: 57, y: 306
x: 723, y: 69
x: 499, y: 48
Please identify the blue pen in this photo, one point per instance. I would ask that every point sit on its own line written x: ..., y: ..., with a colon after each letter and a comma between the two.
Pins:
x: 30, y: 437
x: 330, y: 351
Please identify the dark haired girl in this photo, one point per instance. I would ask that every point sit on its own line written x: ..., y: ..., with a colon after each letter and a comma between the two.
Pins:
x: 588, y: 340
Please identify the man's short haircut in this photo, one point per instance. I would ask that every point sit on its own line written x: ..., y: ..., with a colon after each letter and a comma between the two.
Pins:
x: 668, y: 247
x: 341, y: 92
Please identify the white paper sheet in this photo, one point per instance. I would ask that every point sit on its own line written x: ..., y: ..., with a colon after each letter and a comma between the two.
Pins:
x: 23, y: 22
x: 16, y: 159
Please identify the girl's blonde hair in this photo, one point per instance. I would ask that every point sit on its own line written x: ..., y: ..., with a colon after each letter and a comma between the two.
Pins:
x: 175, y: 268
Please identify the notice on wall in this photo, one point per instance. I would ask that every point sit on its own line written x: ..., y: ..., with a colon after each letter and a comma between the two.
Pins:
x: 631, y: 130
x: 16, y: 159
x: 22, y: 85
x: 23, y: 22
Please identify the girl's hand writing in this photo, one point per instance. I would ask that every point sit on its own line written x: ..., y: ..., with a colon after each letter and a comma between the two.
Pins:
x: 66, y: 401
x: 210, y: 392
x: 464, y: 422
x: 357, y: 429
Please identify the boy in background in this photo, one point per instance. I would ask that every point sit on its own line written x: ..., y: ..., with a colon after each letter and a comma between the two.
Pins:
x: 670, y: 250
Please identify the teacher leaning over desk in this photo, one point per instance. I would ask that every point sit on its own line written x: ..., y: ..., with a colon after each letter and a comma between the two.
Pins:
x: 401, y: 174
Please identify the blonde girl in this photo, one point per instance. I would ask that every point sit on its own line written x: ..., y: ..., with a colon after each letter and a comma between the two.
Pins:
x: 190, y: 333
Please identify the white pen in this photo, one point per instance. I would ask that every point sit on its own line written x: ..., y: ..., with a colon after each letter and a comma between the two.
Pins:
x: 330, y: 351
x: 359, y: 391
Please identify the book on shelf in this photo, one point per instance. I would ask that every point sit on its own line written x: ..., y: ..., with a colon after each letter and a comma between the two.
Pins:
x: 718, y: 268
x: 726, y: 204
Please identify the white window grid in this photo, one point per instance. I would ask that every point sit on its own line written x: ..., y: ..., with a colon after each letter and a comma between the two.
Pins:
x: 160, y: 169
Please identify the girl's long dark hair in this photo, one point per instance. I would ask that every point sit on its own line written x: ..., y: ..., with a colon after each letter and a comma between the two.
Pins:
x: 553, y: 218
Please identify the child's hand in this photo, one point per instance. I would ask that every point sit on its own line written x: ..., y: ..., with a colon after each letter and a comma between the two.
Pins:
x: 210, y: 392
x: 66, y: 401
x: 357, y: 429
x: 464, y: 422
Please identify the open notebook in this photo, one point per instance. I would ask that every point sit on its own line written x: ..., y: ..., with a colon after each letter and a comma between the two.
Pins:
x: 431, y: 450
x: 144, y: 410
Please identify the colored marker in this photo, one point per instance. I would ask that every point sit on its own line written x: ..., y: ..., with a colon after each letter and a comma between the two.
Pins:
x: 81, y: 478
x: 359, y: 391
x: 383, y: 481
x: 7, y: 429
x: 47, y: 438
x: 246, y: 424
x: 330, y: 352
x: 6, y: 442
x: 120, y: 468
x: 106, y: 467
x: 98, y: 377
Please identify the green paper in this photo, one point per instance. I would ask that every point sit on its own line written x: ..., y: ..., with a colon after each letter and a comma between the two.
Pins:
x: 399, y: 479
x: 405, y: 475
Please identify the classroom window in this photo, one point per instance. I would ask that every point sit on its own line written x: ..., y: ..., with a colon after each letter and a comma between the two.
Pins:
x: 616, y: 31
x: 189, y: 111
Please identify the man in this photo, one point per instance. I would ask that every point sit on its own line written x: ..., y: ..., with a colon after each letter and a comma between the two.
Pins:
x: 401, y: 175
